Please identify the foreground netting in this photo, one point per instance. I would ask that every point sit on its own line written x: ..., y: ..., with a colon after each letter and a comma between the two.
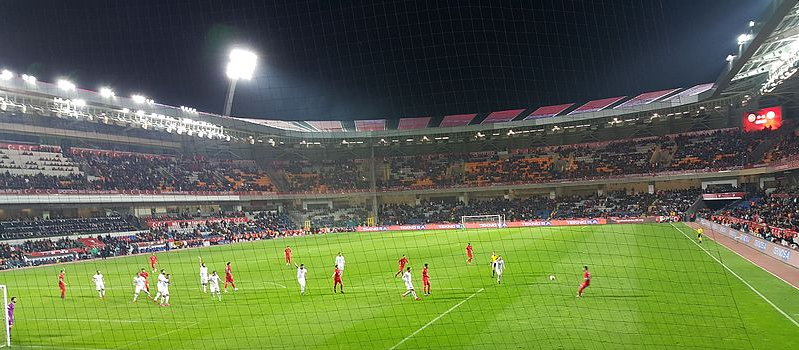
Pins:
x: 651, y: 286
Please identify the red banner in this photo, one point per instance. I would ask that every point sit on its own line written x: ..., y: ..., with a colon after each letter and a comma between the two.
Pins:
x: 163, y: 223
x: 55, y: 253
x: 726, y: 195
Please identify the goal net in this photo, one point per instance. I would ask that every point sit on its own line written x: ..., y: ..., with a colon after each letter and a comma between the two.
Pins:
x: 483, y: 221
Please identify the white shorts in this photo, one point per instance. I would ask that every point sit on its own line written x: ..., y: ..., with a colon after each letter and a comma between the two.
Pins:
x: 138, y: 289
x: 409, y: 286
x: 100, y: 286
x: 302, y: 283
x: 203, y: 279
x: 214, y: 288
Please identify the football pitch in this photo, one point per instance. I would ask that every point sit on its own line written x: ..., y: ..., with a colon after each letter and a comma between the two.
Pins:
x: 652, y: 288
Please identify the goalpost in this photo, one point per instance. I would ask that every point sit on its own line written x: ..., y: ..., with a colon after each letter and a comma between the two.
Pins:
x: 5, y: 306
x: 483, y: 221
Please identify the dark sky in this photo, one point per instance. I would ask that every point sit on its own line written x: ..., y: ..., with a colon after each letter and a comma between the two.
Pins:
x: 375, y: 59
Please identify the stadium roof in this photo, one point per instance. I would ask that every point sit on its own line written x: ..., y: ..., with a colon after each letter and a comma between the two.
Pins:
x: 768, y: 54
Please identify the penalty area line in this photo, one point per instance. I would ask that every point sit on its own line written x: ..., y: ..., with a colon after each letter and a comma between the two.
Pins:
x: 435, y: 319
x: 739, y: 277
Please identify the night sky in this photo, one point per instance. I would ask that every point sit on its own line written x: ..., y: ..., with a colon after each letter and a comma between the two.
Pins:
x: 328, y: 59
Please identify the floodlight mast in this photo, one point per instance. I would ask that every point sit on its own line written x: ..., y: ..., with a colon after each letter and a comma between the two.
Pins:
x: 241, y: 65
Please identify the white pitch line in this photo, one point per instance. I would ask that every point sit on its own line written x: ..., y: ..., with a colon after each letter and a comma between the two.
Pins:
x: 276, y: 284
x: 753, y: 263
x: 157, y: 336
x: 739, y: 277
x: 49, y: 347
x: 436, y: 319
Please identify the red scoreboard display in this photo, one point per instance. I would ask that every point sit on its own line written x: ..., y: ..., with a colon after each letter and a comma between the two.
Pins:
x: 766, y: 118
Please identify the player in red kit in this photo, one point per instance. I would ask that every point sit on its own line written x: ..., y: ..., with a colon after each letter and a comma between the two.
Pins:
x: 425, y: 280
x: 337, y: 279
x: 153, y: 261
x: 143, y: 273
x: 229, y: 277
x: 401, y: 262
x: 288, y: 255
x: 469, y: 254
x: 62, y: 284
x: 586, y: 281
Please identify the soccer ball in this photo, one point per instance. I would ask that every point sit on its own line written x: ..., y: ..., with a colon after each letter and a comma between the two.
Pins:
x: 551, y: 277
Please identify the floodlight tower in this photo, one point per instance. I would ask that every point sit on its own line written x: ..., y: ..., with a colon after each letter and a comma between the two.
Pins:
x: 241, y: 65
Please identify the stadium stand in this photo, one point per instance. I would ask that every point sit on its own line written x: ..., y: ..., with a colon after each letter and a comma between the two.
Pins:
x: 772, y: 217
x: 29, y: 228
x: 114, y: 170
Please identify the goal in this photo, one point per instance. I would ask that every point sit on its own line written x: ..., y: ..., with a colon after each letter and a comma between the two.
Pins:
x: 7, y: 341
x: 483, y: 221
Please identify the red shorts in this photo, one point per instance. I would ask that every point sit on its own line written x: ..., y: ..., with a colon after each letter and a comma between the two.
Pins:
x: 469, y: 255
x: 426, y: 281
x: 585, y: 284
x: 62, y: 286
x: 337, y: 281
x: 228, y: 278
x: 402, y: 267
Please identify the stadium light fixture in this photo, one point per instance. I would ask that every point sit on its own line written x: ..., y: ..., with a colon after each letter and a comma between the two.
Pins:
x: 241, y: 65
x: 29, y: 79
x: 107, y: 92
x: 138, y: 98
x: 65, y: 85
x: 6, y: 74
x: 744, y: 38
x: 751, y: 24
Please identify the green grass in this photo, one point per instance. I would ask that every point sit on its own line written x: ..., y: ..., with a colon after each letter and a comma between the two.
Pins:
x: 652, y: 288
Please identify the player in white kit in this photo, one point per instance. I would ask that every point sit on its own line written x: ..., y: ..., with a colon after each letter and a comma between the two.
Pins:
x: 203, y: 275
x: 406, y: 277
x: 99, y: 284
x: 340, y: 262
x: 162, y: 286
x: 165, y: 290
x: 213, y: 283
x: 139, y: 284
x: 499, y: 267
x: 301, y: 272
